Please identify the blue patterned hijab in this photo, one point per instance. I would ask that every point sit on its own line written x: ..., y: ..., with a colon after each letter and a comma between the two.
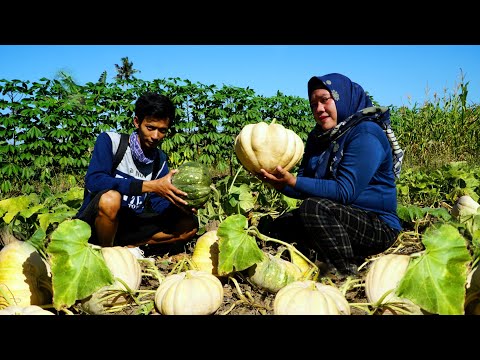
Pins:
x: 350, y: 100
x: 349, y: 96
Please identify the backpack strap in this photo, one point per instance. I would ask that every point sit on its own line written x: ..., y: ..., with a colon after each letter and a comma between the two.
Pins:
x: 122, y: 147
x: 156, y: 167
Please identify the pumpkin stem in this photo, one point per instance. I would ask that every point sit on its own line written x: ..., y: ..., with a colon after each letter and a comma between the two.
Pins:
x: 6, y: 236
x: 255, y: 232
x: 273, y: 121
x: 233, y: 181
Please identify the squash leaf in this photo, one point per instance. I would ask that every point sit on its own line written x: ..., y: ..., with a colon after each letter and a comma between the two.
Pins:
x: 291, y: 203
x: 12, y: 206
x: 410, y: 213
x: 78, y: 269
x: 240, y: 199
x: 51, y: 218
x: 436, y: 280
x: 237, y: 249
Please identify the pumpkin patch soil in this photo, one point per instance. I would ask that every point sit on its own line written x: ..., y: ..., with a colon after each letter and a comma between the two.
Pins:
x: 240, y: 297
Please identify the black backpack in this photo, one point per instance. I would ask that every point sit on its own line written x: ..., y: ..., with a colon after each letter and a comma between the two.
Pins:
x: 122, y: 147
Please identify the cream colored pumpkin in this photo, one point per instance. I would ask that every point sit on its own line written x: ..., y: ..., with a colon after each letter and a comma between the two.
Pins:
x: 191, y: 292
x: 264, y: 146
x: 309, y: 297
x: 25, y: 277
x: 384, y: 274
x: 205, y: 253
x: 472, y: 298
x: 25, y: 310
x: 123, y: 265
x: 464, y: 206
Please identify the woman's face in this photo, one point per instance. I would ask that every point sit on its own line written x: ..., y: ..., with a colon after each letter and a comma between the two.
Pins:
x: 324, y: 109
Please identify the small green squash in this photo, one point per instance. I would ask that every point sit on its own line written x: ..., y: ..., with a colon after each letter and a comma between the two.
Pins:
x: 193, y: 178
x: 273, y: 273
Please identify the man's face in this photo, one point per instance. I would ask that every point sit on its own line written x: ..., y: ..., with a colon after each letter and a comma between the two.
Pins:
x: 151, y: 132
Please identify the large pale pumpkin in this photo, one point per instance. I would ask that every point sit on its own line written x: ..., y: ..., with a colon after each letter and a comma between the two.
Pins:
x: 123, y: 265
x: 25, y: 277
x: 309, y: 297
x: 25, y: 310
x: 264, y: 146
x: 472, y: 298
x: 191, y: 292
x: 464, y: 206
x: 383, y: 276
x: 205, y: 253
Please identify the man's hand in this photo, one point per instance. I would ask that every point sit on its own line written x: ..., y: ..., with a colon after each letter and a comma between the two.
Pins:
x: 164, y: 188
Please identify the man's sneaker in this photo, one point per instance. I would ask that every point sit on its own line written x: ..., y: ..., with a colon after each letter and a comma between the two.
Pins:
x: 139, y: 254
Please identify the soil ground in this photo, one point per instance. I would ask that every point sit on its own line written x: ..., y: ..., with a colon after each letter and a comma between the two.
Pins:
x: 240, y: 296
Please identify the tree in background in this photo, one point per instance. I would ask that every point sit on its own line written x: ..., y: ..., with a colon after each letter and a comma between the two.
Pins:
x: 126, y: 70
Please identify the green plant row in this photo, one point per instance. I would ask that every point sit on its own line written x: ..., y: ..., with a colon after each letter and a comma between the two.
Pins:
x: 48, y: 128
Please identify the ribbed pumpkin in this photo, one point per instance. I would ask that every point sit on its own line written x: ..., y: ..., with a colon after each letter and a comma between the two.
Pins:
x: 472, y: 298
x: 191, y: 292
x: 25, y: 310
x: 308, y: 297
x: 264, y: 146
x: 385, y: 274
x: 205, y: 253
x: 25, y: 277
x: 464, y: 206
x: 273, y: 273
x: 124, y: 265
x: 193, y: 178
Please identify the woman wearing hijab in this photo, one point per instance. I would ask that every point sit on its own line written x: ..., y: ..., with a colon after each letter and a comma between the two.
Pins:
x: 346, y: 179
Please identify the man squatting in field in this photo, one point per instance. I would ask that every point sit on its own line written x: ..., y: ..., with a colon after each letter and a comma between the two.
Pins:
x: 129, y: 206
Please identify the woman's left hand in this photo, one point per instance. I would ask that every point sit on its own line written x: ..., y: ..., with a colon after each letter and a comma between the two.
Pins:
x: 279, y: 179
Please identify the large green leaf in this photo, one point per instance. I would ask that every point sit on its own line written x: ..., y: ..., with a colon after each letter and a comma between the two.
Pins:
x: 237, y: 249
x: 436, y: 280
x: 78, y: 269
x: 51, y: 218
x: 12, y: 206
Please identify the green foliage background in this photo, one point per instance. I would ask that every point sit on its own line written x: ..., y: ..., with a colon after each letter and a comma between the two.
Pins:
x: 48, y: 128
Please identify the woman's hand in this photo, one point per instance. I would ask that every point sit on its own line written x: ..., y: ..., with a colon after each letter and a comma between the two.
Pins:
x: 279, y: 179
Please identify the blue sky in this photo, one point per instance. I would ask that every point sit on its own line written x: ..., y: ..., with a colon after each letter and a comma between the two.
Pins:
x: 394, y: 74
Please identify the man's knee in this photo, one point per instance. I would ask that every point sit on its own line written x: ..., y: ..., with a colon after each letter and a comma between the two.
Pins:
x: 110, y: 203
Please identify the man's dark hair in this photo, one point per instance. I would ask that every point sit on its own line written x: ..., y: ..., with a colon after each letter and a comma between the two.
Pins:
x: 156, y: 105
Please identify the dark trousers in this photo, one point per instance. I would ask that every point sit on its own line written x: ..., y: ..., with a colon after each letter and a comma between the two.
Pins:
x: 340, y: 235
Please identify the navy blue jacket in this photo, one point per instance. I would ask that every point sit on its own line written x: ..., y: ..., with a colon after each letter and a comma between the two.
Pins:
x: 128, y: 177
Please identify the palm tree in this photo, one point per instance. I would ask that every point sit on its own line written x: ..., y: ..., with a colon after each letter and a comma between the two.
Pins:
x: 126, y: 70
